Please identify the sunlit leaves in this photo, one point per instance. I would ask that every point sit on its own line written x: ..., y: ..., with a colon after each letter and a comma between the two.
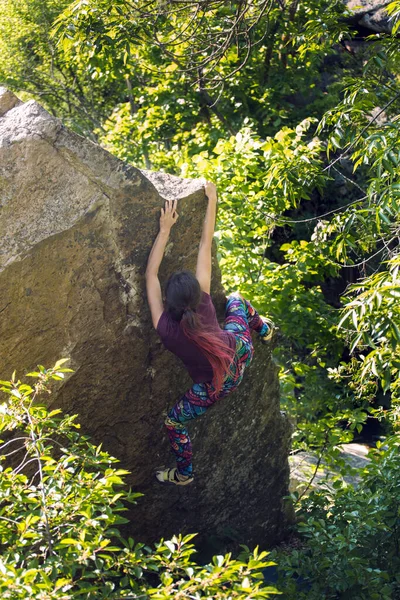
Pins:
x: 372, y: 320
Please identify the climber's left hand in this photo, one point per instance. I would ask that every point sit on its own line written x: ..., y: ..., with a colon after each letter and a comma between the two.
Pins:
x: 169, y: 216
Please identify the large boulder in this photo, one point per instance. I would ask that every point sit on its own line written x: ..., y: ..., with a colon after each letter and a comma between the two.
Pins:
x: 77, y: 226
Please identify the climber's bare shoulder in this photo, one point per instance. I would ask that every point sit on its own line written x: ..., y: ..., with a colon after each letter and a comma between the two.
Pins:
x: 154, y: 298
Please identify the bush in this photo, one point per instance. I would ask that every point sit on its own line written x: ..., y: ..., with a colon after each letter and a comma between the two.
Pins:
x: 61, y: 504
x: 352, y: 539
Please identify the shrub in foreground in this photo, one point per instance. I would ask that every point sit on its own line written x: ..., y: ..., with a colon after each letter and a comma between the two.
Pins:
x: 62, y: 501
x: 351, y: 546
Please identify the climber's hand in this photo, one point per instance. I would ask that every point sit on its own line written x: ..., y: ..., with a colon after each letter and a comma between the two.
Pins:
x: 169, y: 216
x: 210, y: 190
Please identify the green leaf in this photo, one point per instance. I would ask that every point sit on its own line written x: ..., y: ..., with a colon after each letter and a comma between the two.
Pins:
x: 170, y: 546
x: 60, y: 362
x: 396, y: 330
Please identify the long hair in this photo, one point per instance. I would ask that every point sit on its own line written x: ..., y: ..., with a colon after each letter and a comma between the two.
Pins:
x: 183, y: 296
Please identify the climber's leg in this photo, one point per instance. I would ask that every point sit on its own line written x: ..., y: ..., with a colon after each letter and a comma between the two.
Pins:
x: 239, y: 319
x: 239, y: 312
x: 193, y: 404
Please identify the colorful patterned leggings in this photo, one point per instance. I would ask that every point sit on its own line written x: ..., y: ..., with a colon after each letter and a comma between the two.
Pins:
x: 240, y: 318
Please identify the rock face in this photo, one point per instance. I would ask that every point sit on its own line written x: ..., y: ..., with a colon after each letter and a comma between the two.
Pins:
x: 77, y: 226
x: 370, y: 14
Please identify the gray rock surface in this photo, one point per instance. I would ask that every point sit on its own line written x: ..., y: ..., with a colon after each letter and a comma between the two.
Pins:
x: 77, y: 226
x: 303, y: 467
x: 370, y: 14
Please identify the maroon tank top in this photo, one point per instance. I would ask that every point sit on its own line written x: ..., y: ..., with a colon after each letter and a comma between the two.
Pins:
x: 174, y: 339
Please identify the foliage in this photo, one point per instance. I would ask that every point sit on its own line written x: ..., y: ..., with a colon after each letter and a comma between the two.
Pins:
x: 210, y: 42
x: 33, y: 63
x: 373, y: 319
x: 351, y: 539
x: 61, y: 505
x: 161, y: 105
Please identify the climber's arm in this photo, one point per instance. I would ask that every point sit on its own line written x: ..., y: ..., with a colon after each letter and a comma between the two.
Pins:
x: 203, y: 269
x: 154, y: 296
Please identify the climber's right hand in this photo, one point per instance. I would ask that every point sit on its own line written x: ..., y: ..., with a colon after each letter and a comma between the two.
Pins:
x: 210, y: 190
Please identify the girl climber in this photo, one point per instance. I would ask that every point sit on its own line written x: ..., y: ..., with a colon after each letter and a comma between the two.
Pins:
x: 215, y: 358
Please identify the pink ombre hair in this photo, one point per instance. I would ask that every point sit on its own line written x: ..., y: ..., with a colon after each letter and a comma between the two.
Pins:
x: 183, y: 295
